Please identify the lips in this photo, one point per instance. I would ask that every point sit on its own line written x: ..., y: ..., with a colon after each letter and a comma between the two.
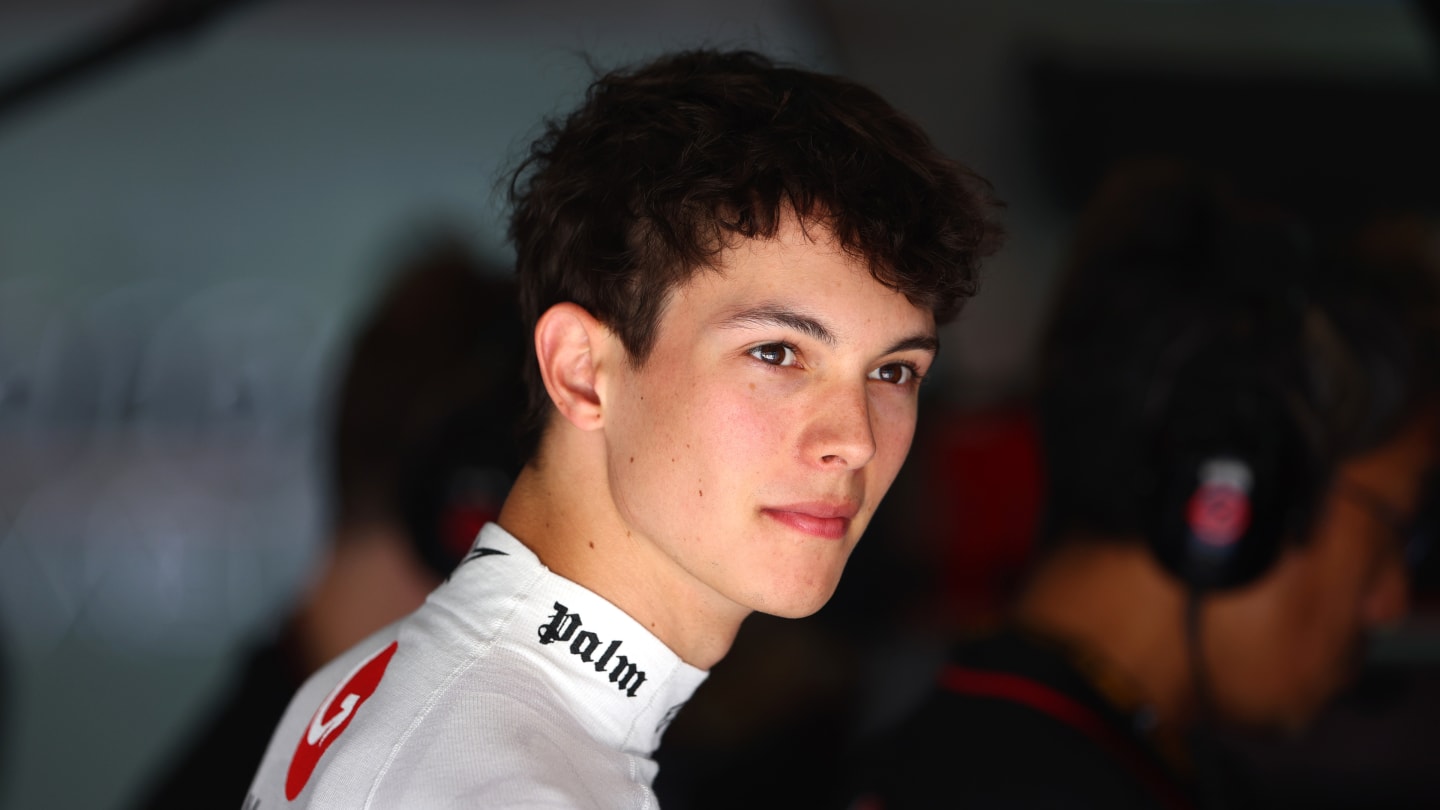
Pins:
x: 826, y: 519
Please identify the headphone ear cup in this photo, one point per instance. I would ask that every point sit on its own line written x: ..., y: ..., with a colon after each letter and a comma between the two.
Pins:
x: 1220, y: 521
x: 1235, y: 472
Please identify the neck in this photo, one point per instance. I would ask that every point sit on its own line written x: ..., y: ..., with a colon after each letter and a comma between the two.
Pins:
x: 1110, y: 602
x: 562, y: 510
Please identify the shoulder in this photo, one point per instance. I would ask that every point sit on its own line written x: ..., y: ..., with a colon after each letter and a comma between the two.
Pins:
x: 485, y: 748
x: 1018, y: 738
x: 986, y: 754
x: 392, y: 724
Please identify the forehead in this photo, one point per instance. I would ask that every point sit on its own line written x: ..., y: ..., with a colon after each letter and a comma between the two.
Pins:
x: 804, y: 268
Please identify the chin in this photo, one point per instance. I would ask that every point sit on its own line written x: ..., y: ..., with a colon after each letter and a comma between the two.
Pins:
x: 798, y: 613
x: 1286, y: 721
x: 796, y: 605
x: 791, y: 601
x: 1296, y: 722
x: 791, y: 589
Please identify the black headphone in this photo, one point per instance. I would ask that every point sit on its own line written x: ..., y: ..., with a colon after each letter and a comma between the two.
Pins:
x: 1237, y: 459
x: 1235, y: 471
x: 1239, y: 465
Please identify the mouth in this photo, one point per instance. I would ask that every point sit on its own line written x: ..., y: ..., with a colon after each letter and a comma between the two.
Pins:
x: 826, y: 519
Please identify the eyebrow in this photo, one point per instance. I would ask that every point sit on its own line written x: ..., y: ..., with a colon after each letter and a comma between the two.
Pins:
x: 924, y: 343
x: 775, y: 315
x: 784, y: 317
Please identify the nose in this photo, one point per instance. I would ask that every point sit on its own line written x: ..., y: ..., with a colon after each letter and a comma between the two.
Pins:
x: 840, y: 435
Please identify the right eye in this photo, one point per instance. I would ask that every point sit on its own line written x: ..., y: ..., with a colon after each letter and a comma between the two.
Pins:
x: 775, y: 354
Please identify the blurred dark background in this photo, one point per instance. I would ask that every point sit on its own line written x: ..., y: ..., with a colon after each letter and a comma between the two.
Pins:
x: 188, y: 235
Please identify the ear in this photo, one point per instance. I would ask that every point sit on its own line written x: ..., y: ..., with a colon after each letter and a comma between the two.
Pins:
x: 569, y: 342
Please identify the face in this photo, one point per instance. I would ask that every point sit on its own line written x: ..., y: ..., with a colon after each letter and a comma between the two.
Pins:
x: 776, y: 407
x: 1292, y: 641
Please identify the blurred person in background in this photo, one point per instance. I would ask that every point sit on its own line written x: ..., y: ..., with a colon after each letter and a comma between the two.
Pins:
x: 734, y: 272
x: 423, y: 447
x: 1239, y: 427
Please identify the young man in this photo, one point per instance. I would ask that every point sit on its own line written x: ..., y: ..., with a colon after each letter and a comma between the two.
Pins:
x: 734, y: 272
x: 1238, y: 428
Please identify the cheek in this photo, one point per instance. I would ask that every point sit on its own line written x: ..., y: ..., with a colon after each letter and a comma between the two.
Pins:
x: 894, y: 430
x: 1304, y: 641
x: 739, y: 422
x: 707, y: 447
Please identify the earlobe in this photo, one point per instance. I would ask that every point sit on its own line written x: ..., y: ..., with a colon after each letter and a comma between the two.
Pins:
x: 566, y: 339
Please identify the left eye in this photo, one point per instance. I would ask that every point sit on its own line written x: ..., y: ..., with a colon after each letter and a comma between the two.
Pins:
x: 894, y: 373
x: 776, y: 354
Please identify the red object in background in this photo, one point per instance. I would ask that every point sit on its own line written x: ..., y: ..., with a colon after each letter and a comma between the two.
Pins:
x: 462, y: 523
x: 985, y: 484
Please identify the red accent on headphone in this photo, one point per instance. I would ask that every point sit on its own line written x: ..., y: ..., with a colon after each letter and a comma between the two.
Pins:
x: 1218, y: 513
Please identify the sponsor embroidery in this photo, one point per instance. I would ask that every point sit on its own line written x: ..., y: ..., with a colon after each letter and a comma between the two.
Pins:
x: 483, y: 552
x: 332, y: 718
x: 475, y: 554
x: 584, y: 644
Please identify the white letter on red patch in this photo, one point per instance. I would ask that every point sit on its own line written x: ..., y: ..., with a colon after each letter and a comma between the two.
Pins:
x: 357, y: 687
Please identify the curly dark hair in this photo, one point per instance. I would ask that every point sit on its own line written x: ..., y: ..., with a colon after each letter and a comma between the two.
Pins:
x: 665, y: 165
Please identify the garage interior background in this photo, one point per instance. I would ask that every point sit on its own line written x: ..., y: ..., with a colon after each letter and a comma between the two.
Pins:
x: 187, y: 236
